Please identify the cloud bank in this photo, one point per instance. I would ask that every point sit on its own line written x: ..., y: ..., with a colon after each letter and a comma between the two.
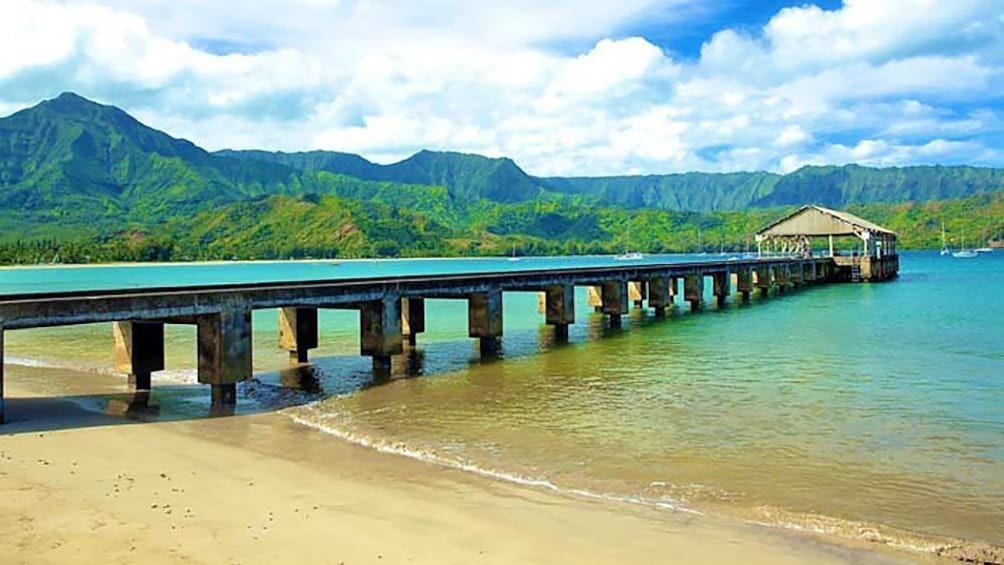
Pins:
x: 564, y: 87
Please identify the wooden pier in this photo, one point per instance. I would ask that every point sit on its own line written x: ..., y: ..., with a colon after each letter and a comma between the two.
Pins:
x: 392, y: 309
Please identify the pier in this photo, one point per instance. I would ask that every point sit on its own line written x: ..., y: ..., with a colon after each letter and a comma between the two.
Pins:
x: 392, y: 309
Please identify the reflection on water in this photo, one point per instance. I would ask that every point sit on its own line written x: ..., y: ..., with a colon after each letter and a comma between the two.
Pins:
x: 873, y: 403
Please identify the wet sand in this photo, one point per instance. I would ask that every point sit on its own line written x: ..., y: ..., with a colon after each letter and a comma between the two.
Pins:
x: 79, y: 486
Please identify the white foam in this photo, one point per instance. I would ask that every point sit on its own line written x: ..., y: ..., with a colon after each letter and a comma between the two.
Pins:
x: 429, y: 456
x: 186, y: 376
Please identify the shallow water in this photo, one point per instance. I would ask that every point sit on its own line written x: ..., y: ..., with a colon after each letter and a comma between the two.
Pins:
x: 881, y: 404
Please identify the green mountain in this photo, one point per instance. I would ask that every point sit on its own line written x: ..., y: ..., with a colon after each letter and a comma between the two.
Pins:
x: 468, y: 177
x: 82, y: 181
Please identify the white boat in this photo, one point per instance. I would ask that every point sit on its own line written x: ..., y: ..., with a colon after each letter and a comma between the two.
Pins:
x: 964, y: 253
x: 629, y: 256
x: 944, y: 244
x: 513, y: 257
x: 984, y: 249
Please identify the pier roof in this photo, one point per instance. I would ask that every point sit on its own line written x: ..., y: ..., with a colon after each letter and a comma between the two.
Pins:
x: 819, y: 221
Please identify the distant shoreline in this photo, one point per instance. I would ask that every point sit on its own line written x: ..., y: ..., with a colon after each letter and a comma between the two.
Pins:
x: 9, y: 267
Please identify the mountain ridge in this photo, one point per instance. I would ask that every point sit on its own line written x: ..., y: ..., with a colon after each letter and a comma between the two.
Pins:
x: 84, y: 180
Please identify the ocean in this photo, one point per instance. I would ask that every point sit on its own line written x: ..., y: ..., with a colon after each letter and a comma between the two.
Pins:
x: 868, y: 410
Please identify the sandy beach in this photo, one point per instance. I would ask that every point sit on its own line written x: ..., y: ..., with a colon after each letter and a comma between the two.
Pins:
x: 80, y: 486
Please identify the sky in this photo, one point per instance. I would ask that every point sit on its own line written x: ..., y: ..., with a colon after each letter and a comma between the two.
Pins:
x: 564, y: 87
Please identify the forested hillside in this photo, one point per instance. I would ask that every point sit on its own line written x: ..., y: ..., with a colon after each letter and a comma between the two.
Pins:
x: 80, y: 181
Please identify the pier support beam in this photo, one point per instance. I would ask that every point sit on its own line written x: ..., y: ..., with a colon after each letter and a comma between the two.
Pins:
x: 763, y: 280
x: 412, y: 319
x: 693, y: 291
x: 782, y: 278
x: 225, y: 352
x: 559, y: 308
x: 744, y: 283
x: 2, y: 416
x: 722, y: 287
x: 380, y: 331
x: 594, y: 298
x: 809, y: 272
x: 637, y: 293
x: 484, y: 319
x: 673, y: 282
x: 615, y: 301
x: 298, y: 332
x: 139, y: 351
x: 795, y: 275
x: 659, y: 297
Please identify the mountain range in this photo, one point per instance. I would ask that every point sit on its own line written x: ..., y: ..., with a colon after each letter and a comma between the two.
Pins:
x: 75, y: 174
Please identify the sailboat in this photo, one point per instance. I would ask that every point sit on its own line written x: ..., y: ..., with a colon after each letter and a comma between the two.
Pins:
x: 964, y: 253
x: 513, y: 257
x: 944, y: 244
x: 628, y: 255
x: 700, y: 244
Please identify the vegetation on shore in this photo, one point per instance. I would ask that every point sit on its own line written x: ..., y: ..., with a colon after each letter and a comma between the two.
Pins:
x: 82, y: 182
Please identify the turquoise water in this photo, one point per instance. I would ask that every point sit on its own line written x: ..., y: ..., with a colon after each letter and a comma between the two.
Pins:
x: 70, y: 278
x: 850, y: 408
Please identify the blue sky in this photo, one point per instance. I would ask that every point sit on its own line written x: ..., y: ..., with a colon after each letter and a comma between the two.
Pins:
x: 570, y: 87
x: 749, y: 16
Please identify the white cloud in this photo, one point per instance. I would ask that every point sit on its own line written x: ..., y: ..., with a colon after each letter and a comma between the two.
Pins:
x: 891, y: 82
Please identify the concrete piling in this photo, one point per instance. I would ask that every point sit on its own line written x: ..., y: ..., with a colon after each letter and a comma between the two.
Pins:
x: 693, y: 291
x: 637, y: 293
x: 2, y: 416
x: 615, y: 301
x: 380, y: 331
x: 559, y: 308
x: 594, y: 298
x: 744, y: 283
x: 139, y: 351
x: 721, y: 287
x: 412, y: 319
x: 225, y: 351
x: 298, y: 332
x: 782, y: 278
x: 659, y: 296
x: 763, y: 280
x: 484, y: 319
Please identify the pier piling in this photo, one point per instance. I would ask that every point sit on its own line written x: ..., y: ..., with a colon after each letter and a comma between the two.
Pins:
x: 722, y: 287
x: 637, y: 294
x: 615, y: 301
x: 744, y: 283
x: 139, y: 351
x: 380, y: 331
x: 560, y: 308
x: 659, y: 297
x: 1, y: 377
x: 298, y: 332
x: 224, y: 351
x: 412, y: 319
x: 782, y: 278
x: 693, y: 291
x: 484, y: 319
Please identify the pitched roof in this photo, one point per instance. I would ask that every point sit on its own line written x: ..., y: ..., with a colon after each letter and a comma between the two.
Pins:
x: 817, y: 221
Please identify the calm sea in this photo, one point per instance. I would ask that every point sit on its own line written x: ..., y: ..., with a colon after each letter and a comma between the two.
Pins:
x: 868, y: 410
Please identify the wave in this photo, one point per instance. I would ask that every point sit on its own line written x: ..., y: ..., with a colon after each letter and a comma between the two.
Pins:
x: 178, y: 377
x: 431, y: 456
x: 766, y: 516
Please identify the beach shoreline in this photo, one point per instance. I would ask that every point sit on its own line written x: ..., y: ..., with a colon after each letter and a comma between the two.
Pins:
x: 80, y: 485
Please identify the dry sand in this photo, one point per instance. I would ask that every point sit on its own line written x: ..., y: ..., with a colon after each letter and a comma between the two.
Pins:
x: 81, y: 487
